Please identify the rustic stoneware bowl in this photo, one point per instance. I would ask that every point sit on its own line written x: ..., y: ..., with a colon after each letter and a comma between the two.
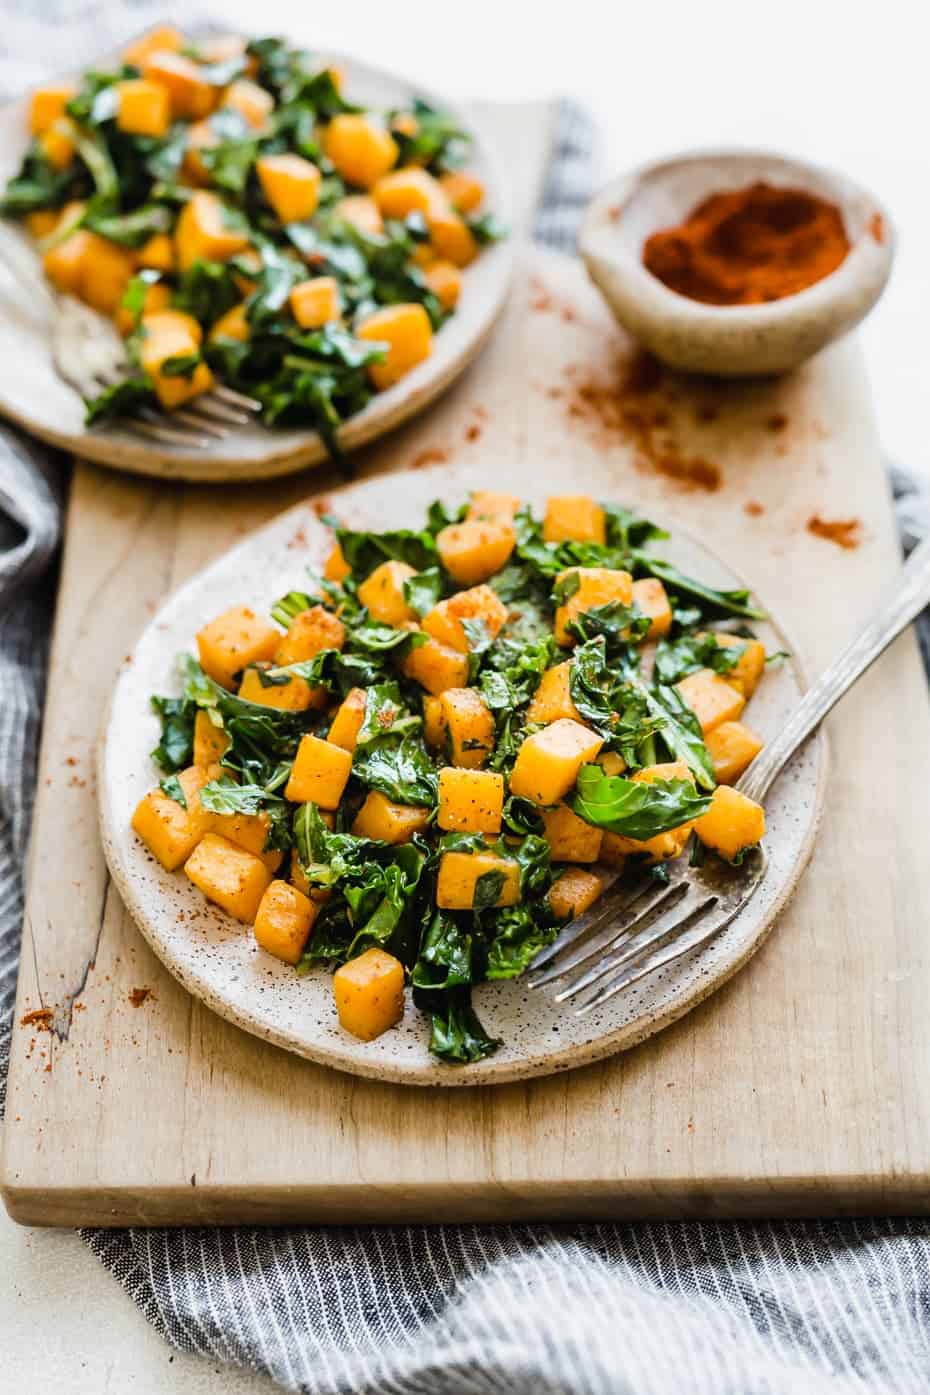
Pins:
x: 733, y: 341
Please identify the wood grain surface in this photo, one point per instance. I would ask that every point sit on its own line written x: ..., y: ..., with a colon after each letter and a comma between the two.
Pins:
x: 800, y: 1088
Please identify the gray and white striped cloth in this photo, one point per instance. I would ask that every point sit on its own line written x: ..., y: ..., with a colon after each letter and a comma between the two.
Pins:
x: 632, y: 1309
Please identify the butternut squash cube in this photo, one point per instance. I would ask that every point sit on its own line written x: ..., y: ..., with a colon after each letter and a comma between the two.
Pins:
x: 597, y: 586
x: 47, y: 105
x: 191, y: 96
x: 168, y: 830
x: 316, y: 302
x: 574, y: 891
x: 42, y: 222
x: 459, y: 874
x: 285, y: 694
x: 200, y: 136
x: 57, y: 145
x: 652, y: 599
x: 106, y: 270
x: 144, y: 108
x: 210, y: 741
x: 450, y: 237
x: 711, y: 698
x: 408, y: 334
x: 574, y: 518
x: 548, y: 762
x: 336, y: 567
x: 445, y: 281
x: 254, y: 105
x: 362, y: 212
x: 360, y: 150
x: 570, y: 839
x: 157, y: 253
x: 169, y: 334
x: 202, y: 235
x: 463, y: 189
x: 480, y: 603
x: 732, y: 747
x: 347, y: 722
x: 284, y: 920
x: 733, y: 822
x: 434, y: 723
x: 157, y: 297
x: 162, y: 37
x: 745, y: 674
x: 291, y: 185
x: 663, y: 846
x: 553, y: 698
x: 436, y: 667
x: 611, y: 762
x: 234, y: 640
x: 393, y: 823
x: 320, y: 773
x: 249, y: 831
x: 470, y: 726
x: 64, y: 264
x: 408, y: 190
x: 614, y: 850
x: 369, y: 993
x: 232, y: 325
x: 309, y: 633
x: 492, y: 507
x: 234, y: 879
x: 470, y: 801
x: 382, y: 593
x: 474, y: 550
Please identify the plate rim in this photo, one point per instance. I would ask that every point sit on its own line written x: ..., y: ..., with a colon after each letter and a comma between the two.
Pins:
x: 388, y: 410
x: 440, y: 1076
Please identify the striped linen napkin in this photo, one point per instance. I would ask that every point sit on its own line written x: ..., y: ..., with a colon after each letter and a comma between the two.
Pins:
x: 700, y: 1307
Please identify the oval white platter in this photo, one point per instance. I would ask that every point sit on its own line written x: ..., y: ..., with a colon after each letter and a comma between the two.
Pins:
x: 33, y: 395
x: 216, y: 958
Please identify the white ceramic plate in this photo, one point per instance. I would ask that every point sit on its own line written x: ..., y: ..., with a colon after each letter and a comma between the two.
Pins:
x: 33, y: 395
x: 217, y: 959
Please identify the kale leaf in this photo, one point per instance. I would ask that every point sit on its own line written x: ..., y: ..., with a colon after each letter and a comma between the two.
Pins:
x: 636, y: 808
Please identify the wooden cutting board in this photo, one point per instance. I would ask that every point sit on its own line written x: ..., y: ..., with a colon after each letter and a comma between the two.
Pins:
x: 802, y: 1087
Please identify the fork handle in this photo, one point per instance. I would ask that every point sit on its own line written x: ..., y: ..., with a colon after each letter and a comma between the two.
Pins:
x: 906, y: 602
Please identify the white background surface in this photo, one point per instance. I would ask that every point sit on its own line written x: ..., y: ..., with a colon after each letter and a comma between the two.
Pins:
x: 839, y: 83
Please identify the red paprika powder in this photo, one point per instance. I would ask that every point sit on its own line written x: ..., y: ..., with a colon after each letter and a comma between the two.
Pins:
x: 750, y: 246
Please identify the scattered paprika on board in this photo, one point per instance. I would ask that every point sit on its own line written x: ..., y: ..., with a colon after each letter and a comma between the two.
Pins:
x: 749, y: 246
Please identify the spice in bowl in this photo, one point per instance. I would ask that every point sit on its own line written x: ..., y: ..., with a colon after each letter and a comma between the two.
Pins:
x: 750, y: 246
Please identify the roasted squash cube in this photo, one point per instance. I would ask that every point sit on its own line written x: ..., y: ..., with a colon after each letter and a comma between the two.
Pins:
x: 202, y: 233
x: 463, y: 189
x: 362, y: 212
x: 479, y: 603
x: 42, y: 222
x: 234, y: 640
x: 249, y: 831
x: 380, y: 818
x: 172, y: 334
x: 574, y: 891
x: 459, y: 874
x: 156, y: 297
x: 470, y: 726
x: 450, y: 236
x: 614, y: 850
x: 235, y: 879
x: 711, y: 698
x: 254, y: 105
x: 320, y: 773
x: 336, y: 568
x: 548, y: 762
x: 210, y: 741
x: 233, y: 325
x: 64, y: 264
x: 316, y: 302
x: 57, y: 145
x: 200, y: 136
x: 436, y: 666
x: 749, y: 667
x: 360, y: 150
x: 597, y: 586
x: 434, y: 723
x: 663, y: 846
x: 408, y: 334
x: 570, y: 839
x: 164, y: 37
x: 492, y: 507
x: 286, y: 693
x: 105, y: 273
x: 47, y: 105
x: 144, y: 108
x: 574, y: 518
x: 309, y: 633
x: 733, y: 822
x: 369, y: 993
x: 168, y: 829
x: 382, y: 593
x: 445, y: 281
x: 157, y: 253
x: 470, y: 801
x: 347, y: 722
x: 553, y: 698
x: 732, y: 747
x: 190, y: 94
x: 408, y: 190
x: 284, y: 921
x: 652, y: 599
x: 291, y: 185
x: 476, y: 549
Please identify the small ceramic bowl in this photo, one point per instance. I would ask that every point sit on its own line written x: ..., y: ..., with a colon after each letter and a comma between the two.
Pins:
x: 739, y: 340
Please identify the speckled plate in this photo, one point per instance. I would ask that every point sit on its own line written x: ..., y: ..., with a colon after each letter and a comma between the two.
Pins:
x: 33, y: 395
x: 216, y: 958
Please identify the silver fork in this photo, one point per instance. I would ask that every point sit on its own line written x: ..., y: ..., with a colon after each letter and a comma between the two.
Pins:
x: 635, y: 929
x: 90, y: 355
